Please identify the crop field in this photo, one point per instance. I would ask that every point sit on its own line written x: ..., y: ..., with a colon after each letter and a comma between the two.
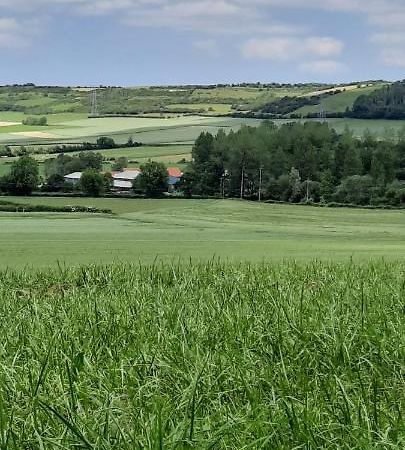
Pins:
x: 207, y: 356
x: 169, y: 230
x: 147, y: 130
x: 147, y: 152
x: 155, y: 131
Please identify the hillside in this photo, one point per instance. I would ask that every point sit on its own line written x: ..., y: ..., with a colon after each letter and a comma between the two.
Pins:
x: 385, y: 103
x: 210, y: 100
x: 340, y: 102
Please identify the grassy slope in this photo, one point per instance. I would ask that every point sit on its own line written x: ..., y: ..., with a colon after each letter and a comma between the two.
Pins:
x: 217, y: 108
x: 338, y: 102
x: 171, y: 229
x: 211, y: 356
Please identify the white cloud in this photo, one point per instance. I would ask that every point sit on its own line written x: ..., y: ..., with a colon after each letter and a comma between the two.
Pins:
x: 11, y: 33
x: 394, y: 57
x: 323, y: 67
x: 279, y: 49
x: 324, y: 46
x: 289, y: 49
x: 389, y: 38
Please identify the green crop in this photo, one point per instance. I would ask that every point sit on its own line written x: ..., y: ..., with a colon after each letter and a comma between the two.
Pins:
x: 209, y: 356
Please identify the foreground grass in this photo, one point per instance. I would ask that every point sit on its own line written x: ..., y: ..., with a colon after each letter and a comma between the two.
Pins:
x: 210, y: 357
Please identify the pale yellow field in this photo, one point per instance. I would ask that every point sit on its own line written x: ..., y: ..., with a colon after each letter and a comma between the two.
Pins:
x: 35, y: 134
x: 9, y: 124
x: 351, y: 87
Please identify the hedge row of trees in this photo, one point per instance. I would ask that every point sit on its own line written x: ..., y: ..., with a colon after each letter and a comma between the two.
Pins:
x: 102, y: 143
x: 297, y: 163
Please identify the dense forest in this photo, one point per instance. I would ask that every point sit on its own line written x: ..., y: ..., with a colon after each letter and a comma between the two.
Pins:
x: 385, y: 103
x: 298, y: 163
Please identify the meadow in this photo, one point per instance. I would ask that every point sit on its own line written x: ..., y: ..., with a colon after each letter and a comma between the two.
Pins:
x: 338, y: 102
x: 142, y: 231
x: 204, y: 356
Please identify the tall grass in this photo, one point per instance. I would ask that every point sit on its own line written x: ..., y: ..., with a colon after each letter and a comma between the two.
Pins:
x: 211, y: 357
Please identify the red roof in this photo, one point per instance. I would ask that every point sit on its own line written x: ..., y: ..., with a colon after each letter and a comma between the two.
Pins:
x: 174, y: 172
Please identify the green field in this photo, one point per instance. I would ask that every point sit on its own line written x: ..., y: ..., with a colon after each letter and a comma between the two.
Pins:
x: 148, y: 152
x: 217, y: 108
x: 143, y: 230
x: 208, y: 356
x: 338, y: 102
x: 153, y: 131
x: 146, y: 130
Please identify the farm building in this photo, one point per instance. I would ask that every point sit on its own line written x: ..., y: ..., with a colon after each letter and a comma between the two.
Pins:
x: 73, y: 178
x: 124, y: 180
x: 175, y: 175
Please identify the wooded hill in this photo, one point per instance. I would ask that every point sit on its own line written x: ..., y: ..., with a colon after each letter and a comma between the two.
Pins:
x: 385, y: 103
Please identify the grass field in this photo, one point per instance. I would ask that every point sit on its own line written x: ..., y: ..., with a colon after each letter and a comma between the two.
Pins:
x: 338, y: 102
x: 143, y: 230
x: 216, y: 108
x: 206, y: 356
x: 147, y: 130
x: 155, y: 131
x: 170, y: 153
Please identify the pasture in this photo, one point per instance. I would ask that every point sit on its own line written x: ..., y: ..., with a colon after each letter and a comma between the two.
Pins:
x: 340, y: 101
x: 146, y: 130
x: 171, y: 230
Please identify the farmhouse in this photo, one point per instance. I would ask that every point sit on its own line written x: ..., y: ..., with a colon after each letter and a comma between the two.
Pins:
x: 175, y: 175
x: 73, y: 178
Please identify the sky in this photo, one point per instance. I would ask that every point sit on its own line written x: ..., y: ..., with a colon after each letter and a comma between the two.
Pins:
x: 162, y: 42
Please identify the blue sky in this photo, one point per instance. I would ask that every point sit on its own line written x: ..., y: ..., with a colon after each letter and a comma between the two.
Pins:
x: 145, y: 42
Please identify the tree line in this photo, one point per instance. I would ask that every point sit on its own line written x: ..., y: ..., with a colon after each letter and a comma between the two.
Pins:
x: 385, y: 103
x: 298, y: 162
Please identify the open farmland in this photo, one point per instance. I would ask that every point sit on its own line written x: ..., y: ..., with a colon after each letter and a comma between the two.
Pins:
x: 142, y: 230
x: 147, y: 130
x: 152, y: 131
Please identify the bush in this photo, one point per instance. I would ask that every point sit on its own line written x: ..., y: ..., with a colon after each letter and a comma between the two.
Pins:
x: 6, y: 206
x: 92, y: 183
x: 23, y: 177
x: 36, y: 121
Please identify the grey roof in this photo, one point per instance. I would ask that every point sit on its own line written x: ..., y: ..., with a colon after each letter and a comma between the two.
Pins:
x: 73, y: 176
x: 127, y: 175
x: 122, y: 184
